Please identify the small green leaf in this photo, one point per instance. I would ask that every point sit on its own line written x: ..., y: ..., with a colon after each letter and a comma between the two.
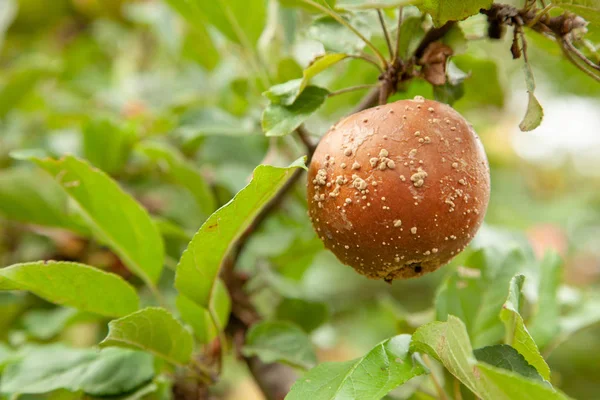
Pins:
x: 534, y: 115
x: 443, y: 11
x: 279, y: 341
x: 45, y: 324
x: 505, y: 357
x: 181, y: 171
x: 284, y: 93
x: 387, y: 366
x: 107, y: 145
x: 112, y: 214
x: 99, y: 373
x: 448, y: 342
x: 153, y: 330
x: 199, y: 265
x: 588, y: 9
x: 279, y: 120
x: 309, y: 315
x: 287, y: 93
x: 72, y: 284
x: 544, y: 325
x: 199, y: 317
x: 517, y: 334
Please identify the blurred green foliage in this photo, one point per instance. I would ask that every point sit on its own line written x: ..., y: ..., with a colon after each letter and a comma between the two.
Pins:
x: 165, y: 97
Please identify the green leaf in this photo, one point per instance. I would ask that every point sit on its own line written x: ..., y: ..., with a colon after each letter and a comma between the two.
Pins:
x: 448, y: 342
x: 199, y: 265
x: 476, y: 294
x: 387, y: 366
x: 280, y: 341
x: 588, y: 9
x: 287, y: 93
x: 544, y: 325
x: 284, y: 93
x: 279, y: 120
x: 181, y: 171
x: 212, y: 122
x: 370, y: 4
x: 199, y: 317
x: 411, y: 34
x: 31, y: 196
x: 309, y: 315
x: 337, y: 38
x: 506, y: 357
x: 112, y: 214
x: 443, y: 11
x: 106, y: 145
x: 241, y: 21
x: 153, y: 330
x: 72, y: 284
x: 199, y: 45
x: 517, y: 334
x: 99, y: 373
x: 45, y: 324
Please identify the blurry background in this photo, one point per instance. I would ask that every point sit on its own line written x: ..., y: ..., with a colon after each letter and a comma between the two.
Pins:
x: 96, y: 77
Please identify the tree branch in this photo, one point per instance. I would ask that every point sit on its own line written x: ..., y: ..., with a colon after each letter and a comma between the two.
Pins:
x: 398, y: 34
x: 370, y: 100
x: 385, y: 33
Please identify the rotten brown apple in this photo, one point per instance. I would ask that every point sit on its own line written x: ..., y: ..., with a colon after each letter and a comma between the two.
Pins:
x: 398, y: 190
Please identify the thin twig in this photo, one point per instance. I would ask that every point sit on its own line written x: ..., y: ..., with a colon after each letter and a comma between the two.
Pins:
x: 221, y: 334
x: 345, y: 23
x: 398, y: 33
x: 305, y: 138
x: 352, y: 89
x: 574, y: 61
x: 438, y: 387
x: 385, y: 33
x: 367, y: 58
x: 368, y: 101
x: 580, y: 55
x: 539, y: 15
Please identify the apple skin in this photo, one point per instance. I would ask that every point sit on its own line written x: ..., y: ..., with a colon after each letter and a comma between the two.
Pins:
x: 396, y: 191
